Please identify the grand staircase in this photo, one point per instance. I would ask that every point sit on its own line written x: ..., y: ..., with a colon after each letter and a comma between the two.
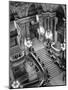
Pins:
x: 42, y: 53
x: 49, y: 65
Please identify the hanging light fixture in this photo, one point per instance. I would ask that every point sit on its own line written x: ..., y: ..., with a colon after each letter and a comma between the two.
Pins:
x: 48, y: 33
x: 15, y: 84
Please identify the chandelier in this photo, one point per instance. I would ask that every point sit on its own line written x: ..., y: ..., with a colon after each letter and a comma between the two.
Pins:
x: 48, y: 34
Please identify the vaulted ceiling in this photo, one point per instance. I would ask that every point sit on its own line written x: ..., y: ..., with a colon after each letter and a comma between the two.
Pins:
x: 23, y: 9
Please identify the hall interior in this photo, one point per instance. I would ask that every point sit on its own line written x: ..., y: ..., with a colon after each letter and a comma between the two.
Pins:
x: 42, y: 32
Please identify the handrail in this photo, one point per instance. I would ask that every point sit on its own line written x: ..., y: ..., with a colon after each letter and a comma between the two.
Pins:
x: 54, y: 47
